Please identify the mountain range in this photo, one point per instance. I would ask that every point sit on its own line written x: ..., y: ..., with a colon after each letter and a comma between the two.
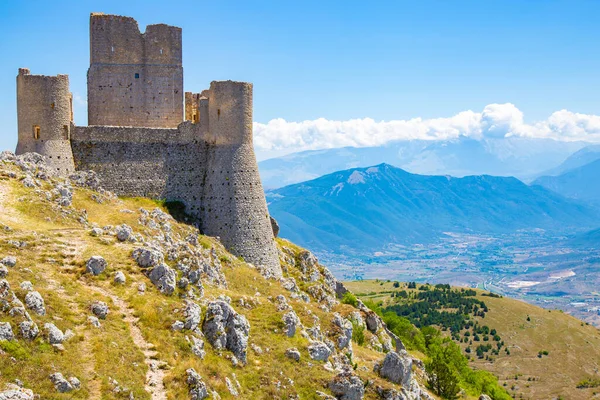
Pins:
x: 379, y: 205
x: 523, y: 158
x: 579, y: 183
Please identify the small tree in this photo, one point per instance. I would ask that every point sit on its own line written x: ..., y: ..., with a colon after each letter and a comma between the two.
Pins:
x: 441, y: 378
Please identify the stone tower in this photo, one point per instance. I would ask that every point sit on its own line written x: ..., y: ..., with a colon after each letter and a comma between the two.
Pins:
x: 234, y: 206
x: 134, y: 79
x: 44, y: 113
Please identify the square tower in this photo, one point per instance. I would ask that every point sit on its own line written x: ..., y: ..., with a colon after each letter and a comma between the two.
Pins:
x: 134, y: 79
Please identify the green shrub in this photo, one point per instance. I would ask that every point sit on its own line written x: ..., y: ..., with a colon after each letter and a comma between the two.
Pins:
x: 358, y: 333
x: 351, y: 299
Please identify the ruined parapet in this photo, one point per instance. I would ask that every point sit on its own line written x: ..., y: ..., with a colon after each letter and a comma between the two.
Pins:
x: 191, y: 107
x: 44, y: 110
x: 234, y: 206
x: 134, y: 79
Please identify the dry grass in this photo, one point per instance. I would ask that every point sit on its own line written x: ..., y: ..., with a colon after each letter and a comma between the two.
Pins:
x: 573, y: 347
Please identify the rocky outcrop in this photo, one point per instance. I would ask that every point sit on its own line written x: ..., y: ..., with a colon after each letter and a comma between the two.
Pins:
x: 291, y: 322
x: 198, y: 390
x: 148, y: 258
x: 396, y: 367
x: 55, y: 335
x: 224, y: 328
x: 319, y: 351
x: 15, y: 392
x: 29, y: 330
x: 60, y: 383
x: 293, y: 353
x: 164, y: 278
x: 347, y: 386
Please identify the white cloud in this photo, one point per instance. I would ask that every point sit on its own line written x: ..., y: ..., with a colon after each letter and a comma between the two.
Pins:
x: 495, y: 121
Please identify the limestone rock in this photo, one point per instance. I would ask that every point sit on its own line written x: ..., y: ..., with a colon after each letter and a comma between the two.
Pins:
x: 147, y: 257
x: 26, y: 285
x: 9, y: 261
x: 293, y: 353
x: 192, y: 313
x: 94, y: 321
x: 35, y: 302
x: 119, y: 277
x: 485, y: 397
x: 224, y: 328
x: 29, y: 330
x: 96, y: 265
x: 291, y: 321
x: 3, y: 271
x: 198, y: 390
x: 96, y: 232
x: 319, y: 351
x: 60, y: 383
x: 124, y: 232
x: 373, y: 322
x: 6, y: 332
x: 15, y: 392
x: 343, y: 340
x: 99, y: 309
x: 55, y: 335
x: 164, y: 278
x: 177, y: 326
x: 396, y: 367
x: 347, y: 386
x: 198, y: 347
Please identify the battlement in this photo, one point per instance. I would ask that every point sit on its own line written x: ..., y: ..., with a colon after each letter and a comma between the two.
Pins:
x: 138, y: 141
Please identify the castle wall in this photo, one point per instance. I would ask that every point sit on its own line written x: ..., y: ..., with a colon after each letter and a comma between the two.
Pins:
x: 159, y: 163
x: 134, y: 79
x: 44, y: 113
x: 234, y: 206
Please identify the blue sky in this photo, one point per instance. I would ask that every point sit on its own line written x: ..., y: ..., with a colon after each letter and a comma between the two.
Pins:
x: 337, y: 60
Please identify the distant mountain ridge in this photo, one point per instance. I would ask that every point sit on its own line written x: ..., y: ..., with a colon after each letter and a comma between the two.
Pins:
x: 580, y: 183
x: 521, y: 157
x: 371, y: 207
x: 578, y: 159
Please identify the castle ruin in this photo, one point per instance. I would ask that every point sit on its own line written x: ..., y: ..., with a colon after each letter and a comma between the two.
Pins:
x: 142, y: 140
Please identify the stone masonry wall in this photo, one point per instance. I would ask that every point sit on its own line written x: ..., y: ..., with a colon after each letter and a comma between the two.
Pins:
x: 134, y: 79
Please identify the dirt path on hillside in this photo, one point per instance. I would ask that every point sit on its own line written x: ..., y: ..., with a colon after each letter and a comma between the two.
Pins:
x: 155, y: 375
x: 7, y: 214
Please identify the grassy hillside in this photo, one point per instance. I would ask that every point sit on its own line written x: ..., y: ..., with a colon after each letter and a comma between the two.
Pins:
x: 573, y: 348
x: 135, y: 353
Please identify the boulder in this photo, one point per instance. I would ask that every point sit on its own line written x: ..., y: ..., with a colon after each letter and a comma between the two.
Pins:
x: 192, y: 313
x: 6, y: 332
x: 29, y: 330
x: 198, y: 390
x: 99, y: 309
x: 55, y: 335
x: 224, y: 328
x: 373, y: 322
x: 35, y: 302
x: 164, y: 278
x: 124, y: 232
x: 485, y: 397
x: 119, y: 278
x: 15, y: 392
x: 3, y: 271
x: 396, y: 367
x: 96, y: 265
x: 343, y: 340
x: 148, y: 258
x: 96, y: 232
x: 293, y: 353
x: 319, y: 351
x: 198, y: 347
x: 291, y: 322
x: 94, y: 321
x: 347, y: 386
x: 60, y: 383
x: 9, y: 261
x: 26, y: 285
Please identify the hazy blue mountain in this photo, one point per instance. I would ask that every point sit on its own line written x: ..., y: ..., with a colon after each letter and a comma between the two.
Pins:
x: 589, y: 239
x: 578, y: 159
x: 367, y: 208
x: 520, y: 157
x: 580, y: 183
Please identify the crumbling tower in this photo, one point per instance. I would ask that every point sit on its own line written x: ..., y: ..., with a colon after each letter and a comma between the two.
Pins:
x: 45, y: 113
x: 234, y: 206
x: 134, y: 79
